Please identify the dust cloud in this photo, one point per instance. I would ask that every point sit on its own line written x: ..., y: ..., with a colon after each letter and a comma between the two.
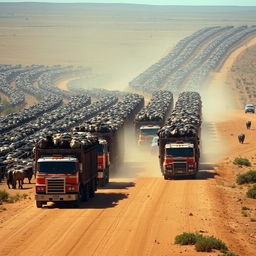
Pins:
x: 139, y: 161
x: 217, y: 104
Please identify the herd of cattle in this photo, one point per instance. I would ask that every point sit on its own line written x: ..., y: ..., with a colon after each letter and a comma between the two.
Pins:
x: 97, y: 110
x: 157, y: 109
x: 189, y: 63
x: 185, y: 119
x: 26, y: 77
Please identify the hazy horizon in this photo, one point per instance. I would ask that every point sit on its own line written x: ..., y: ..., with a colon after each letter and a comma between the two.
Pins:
x: 150, y: 2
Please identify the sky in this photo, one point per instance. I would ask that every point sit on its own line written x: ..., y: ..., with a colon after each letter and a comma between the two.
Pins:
x: 153, y: 2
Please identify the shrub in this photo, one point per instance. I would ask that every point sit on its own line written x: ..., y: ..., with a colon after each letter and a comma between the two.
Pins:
x: 241, y: 161
x: 187, y: 238
x: 251, y: 193
x: 4, y: 196
x: 248, y: 177
x: 244, y: 213
x: 206, y: 244
x: 2, y: 209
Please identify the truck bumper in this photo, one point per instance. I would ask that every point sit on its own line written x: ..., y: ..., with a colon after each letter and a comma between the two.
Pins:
x: 100, y: 174
x: 56, y: 197
x: 172, y: 173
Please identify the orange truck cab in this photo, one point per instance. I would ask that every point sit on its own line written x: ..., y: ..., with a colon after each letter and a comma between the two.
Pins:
x: 147, y: 133
x: 179, y: 156
x: 103, y: 162
x: 180, y: 159
x: 65, y: 174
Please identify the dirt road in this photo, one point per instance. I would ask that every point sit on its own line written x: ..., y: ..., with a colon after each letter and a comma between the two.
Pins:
x: 142, y: 215
x: 137, y: 217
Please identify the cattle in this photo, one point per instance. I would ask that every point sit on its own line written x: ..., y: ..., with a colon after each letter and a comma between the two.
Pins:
x: 248, y: 125
x: 28, y: 173
x: 18, y: 175
x: 241, y: 138
x: 9, y: 178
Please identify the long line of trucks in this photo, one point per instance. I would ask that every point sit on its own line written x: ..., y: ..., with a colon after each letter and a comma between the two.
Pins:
x: 70, y: 166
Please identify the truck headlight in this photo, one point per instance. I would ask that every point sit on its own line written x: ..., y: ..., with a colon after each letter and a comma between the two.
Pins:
x: 40, y: 188
x: 71, y: 188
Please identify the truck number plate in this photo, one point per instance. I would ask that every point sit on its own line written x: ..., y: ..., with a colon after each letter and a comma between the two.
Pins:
x: 55, y: 197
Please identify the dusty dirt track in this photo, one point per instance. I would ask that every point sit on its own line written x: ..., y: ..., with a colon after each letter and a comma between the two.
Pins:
x: 141, y: 216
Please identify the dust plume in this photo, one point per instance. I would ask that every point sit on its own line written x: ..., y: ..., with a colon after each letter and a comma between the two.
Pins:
x: 139, y: 161
x: 217, y: 102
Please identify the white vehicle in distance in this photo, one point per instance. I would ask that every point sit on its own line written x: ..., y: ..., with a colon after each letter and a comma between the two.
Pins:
x: 249, y: 108
x: 154, y: 144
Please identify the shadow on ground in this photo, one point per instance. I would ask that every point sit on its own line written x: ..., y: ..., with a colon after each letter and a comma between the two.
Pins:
x: 118, y: 185
x: 100, y: 201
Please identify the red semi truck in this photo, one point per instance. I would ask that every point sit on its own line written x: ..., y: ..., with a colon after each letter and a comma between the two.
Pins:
x: 65, y: 174
x: 179, y: 156
x: 110, y: 153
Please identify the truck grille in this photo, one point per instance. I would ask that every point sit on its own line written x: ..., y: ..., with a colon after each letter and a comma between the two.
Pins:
x: 180, y: 167
x: 55, y: 186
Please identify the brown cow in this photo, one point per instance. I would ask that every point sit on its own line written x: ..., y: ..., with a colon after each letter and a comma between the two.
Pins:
x: 18, y: 175
x: 28, y: 173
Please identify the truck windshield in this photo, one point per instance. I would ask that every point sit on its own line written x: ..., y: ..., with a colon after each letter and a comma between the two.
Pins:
x: 100, y: 149
x: 60, y: 167
x: 152, y: 131
x: 180, y: 152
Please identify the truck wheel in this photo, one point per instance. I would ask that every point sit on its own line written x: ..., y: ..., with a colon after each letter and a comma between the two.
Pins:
x: 166, y: 177
x: 76, y: 203
x: 193, y: 176
x: 101, y: 182
x: 107, y: 176
x: 84, y: 192
x: 39, y: 204
x: 92, y: 189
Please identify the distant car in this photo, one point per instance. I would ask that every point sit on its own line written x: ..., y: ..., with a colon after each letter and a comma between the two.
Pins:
x: 249, y: 108
x: 154, y: 144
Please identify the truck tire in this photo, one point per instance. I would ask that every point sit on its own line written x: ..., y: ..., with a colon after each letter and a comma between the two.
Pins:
x: 39, y: 204
x: 101, y: 182
x: 84, y: 192
x: 166, y: 177
x: 76, y: 203
x: 193, y: 176
x: 92, y: 189
x: 107, y: 176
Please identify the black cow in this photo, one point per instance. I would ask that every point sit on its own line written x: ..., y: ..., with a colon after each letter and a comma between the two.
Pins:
x: 241, y: 138
x: 248, y: 124
x: 9, y: 178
